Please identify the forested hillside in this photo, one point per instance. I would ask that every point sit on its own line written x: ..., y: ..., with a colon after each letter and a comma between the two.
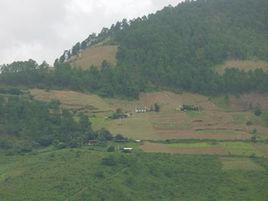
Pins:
x: 177, y: 49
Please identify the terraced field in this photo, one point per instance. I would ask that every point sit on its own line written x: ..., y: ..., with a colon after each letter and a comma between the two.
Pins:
x: 219, y: 119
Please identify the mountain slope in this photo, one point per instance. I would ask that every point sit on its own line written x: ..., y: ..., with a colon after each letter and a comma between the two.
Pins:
x: 176, y: 49
x: 203, y: 32
x: 179, y: 47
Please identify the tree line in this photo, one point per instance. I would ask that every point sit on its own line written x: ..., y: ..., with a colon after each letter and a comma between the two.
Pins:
x: 121, y: 81
x: 26, y: 124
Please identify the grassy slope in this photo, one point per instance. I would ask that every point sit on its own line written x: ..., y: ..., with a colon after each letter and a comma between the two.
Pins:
x: 95, y: 56
x: 79, y: 175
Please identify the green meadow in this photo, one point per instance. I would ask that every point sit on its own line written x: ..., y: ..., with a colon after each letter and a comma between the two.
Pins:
x: 83, y: 174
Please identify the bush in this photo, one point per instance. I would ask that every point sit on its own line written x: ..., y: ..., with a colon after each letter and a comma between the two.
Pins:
x: 249, y: 123
x: 253, y: 138
x: 258, y: 111
x: 104, y: 135
x: 156, y: 107
x: 109, y: 161
x: 5, y: 145
x: 111, y: 149
x: 60, y: 145
x: 119, y: 138
x: 99, y: 174
x: 45, y: 141
x: 265, y: 118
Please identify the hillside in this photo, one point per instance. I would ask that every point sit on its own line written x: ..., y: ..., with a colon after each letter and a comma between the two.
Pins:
x: 180, y: 47
x: 94, y: 56
x: 170, y: 106
x: 220, y: 118
x: 81, y: 174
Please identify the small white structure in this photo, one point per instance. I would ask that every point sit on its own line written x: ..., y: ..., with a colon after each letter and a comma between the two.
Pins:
x: 127, y: 149
x: 141, y: 109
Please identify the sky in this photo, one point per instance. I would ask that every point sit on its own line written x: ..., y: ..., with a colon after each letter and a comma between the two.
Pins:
x: 43, y: 29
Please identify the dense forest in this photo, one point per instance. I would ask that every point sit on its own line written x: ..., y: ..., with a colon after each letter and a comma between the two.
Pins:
x: 26, y: 123
x: 177, y: 49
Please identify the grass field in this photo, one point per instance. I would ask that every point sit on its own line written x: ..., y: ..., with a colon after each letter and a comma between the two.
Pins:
x: 81, y: 174
x: 242, y: 149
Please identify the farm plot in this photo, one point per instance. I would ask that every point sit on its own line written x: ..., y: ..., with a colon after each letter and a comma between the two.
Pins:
x: 73, y: 100
x: 216, y: 148
x: 244, y: 164
x: 212, y: 122
x: 184, y: 148
x: 241, y: 149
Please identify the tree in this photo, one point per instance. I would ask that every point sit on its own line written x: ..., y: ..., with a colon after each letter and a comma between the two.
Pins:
x: 85, y: 124
x: 156, y: 107
x: 104, y: 135
x: 76, y: 49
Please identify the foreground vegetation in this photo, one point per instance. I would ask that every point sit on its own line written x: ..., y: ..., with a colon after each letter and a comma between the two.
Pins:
x: 81, y: 174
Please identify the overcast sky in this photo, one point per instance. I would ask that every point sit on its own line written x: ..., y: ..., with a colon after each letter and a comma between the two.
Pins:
x: 43, y: 29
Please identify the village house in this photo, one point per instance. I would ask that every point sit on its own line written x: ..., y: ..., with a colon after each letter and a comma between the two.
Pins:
x: 141, y: 109
x: 127, y: 150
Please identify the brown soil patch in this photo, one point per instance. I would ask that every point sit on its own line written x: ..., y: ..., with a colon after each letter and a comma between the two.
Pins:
x: 163, y: 148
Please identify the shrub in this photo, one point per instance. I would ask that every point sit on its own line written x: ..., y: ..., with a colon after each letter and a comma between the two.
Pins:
x: 109, y: 161
x: 120, y: 137
x: 45, y: 141
x: 265, y: 118
x: 60, y: 145
x: 5, y: 145
x: 258, y: 111
x: 111, y: 149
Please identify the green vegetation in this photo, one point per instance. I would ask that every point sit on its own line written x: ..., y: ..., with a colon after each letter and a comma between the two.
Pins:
x: 192, y: 145
x: 241, y: 149
x: 264, y: 116
x: 221, y: 101
x: 80, y: 174
x: 35, y: 123
x: 64, y: 150
x: 176, y: 48
x: 27, y: 124
x: 244, y: 164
